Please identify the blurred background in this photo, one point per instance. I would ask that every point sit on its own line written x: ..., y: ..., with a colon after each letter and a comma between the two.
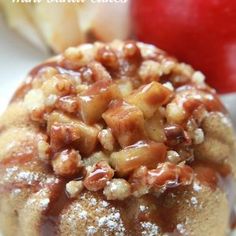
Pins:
x: 199, y: 32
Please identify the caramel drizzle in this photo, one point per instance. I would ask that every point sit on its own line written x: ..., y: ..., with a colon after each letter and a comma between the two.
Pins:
x: 51, y: 218
x: 60, y: 201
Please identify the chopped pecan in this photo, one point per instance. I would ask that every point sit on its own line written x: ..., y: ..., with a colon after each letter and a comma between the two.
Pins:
x: 34, y: 100
x: 138, y: 181
x: 175, y: 135
x: 62, y: 135
x: 165, y: 175
x: 76, y: 57
x: 173, y: 156
x: 100, y: 174
x: 175, y: 113
x: 87, y: 75
x: 88, y: 134
x: 150, y: 71
x: 132, y: 52
x: 67, y: 163
x: 43, y: 150
x: 99, y: 71
x: 59, y: 85
x: 68, y: 104
x: 106, y: 138
x: 187, y: 100
x: 38, y: 115
x: 108, y: 58
x: 170, y: 175
x: 117, y: 189
x: 65, y: 86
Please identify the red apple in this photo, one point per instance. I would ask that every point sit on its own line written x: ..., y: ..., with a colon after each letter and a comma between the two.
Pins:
x: 199, y: 32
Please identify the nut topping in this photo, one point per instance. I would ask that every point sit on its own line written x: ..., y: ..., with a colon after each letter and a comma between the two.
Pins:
x: 175, y: 135
x: 106, y: 138
x: 67, y: 163
x: 68, y: 104
x: 73, y: 188
x: 108, y: 58
x: 98, y: 177
x: 127, y: 117
x: 117, y: 189
x: 62, y: 135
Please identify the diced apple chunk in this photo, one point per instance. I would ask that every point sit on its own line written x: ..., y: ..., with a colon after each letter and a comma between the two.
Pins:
x: 140, y: 154
x: 87, y: 134
x: 96, y: 99
x: 155, y: 128
x: 125, y: 87
x: 149, y: 97
x: 126, y: 122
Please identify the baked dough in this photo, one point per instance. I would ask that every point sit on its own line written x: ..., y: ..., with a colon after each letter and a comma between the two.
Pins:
x: 116, y: 139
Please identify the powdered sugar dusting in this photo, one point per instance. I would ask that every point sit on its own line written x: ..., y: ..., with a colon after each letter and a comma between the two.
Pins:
x: 83, y: 215
x: 91, y: 230
x: 39, y: 199
x: 15, y: 174
x: 112, y: 222
x: 149, y: 229
x: 181, y: 229
x: 143, y: 208
x: 104, y: 203
x: 95, y: 216
x: 196, y: 187
x: 194, y: 200
x: 93, y: 202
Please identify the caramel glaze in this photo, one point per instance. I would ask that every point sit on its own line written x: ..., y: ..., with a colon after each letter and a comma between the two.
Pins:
x: 212, y: 175
x: 27, y: 84
x: 50, y: 219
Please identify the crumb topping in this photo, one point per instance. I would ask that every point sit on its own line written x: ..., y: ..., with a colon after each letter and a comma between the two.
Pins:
x: 125, y: 118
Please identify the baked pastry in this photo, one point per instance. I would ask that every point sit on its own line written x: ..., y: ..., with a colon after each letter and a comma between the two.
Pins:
x: 116, y: 139
x: 79, y: 22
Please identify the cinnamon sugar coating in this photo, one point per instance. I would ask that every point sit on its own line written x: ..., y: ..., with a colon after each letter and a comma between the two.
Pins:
x: 111, y: 139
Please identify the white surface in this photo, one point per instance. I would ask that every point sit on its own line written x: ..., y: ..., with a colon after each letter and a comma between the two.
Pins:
x: 17, y: 57
x: 230, y: 103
